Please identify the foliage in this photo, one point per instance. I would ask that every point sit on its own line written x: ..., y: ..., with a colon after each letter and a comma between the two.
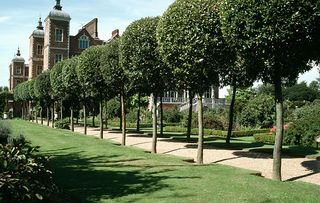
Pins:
x: 24, y: 175
x: 112, y: 108
x: 172, y: 115
x: 211, y: 119
x: 144, y: 101
x: 89, y: 72
x: 31, y: 89
x: 21, y: 92
x: 260, y: 111
x: 266, y: 138
x: 4, y: 97
x: 110, y: 67
x: 62, y: 124
x: 305, y: 125
x: 42, y: 87
x: 56, y: 80
x: 243, y: 96
x: 301, y: 92
x: 5, y: 131
x: 139, y: 57
x: 280, y: 36
x: 191, y: 43
x: 70, y: 81
x: 145, y: 116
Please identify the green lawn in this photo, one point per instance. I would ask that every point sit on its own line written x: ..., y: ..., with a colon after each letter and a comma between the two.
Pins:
x: 93, y: 170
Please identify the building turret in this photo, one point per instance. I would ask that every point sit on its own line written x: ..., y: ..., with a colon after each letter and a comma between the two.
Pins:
x: 36, y: 44
x: 18, y: 70
x: 56, y: 38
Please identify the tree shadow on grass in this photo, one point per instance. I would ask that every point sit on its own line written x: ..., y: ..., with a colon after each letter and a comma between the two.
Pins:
x: 290, y: 152
x: 223, y: 146
x: 90, y: 179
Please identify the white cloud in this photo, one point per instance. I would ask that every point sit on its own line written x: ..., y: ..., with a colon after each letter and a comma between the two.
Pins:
x: 4, y: 19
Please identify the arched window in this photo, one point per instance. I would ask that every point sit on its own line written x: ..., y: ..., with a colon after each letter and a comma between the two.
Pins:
x: 83, y: 42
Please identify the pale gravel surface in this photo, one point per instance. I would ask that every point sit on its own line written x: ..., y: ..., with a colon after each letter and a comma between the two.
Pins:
x: 298, y: 169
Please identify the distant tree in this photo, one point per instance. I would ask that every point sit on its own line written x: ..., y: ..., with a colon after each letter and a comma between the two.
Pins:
x: 111, y: 71
x: 42, y: 90
x: 89, y: 72
x: 300, y: 92
x: 71, y: 86
x: 280, y: 38
x: 33, y: 99
x: 236, y: 75
x: 315, y: 85
x: 142, y: 63
x: 56, y: 80
x: 191, y: 43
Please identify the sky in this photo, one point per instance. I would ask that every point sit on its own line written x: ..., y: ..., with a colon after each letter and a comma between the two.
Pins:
x: 18, y: 19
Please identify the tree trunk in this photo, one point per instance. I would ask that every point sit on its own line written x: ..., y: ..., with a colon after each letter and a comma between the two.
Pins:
x: 279, y: 134
x: 36, y: 116
x: 106, y: 115
x: 191, y: 95
x: 71, y: 119
x: 120, y: 124
x: 93, y: 120
x: 61, y: 109
x: 101, y: 119
x: 85, y: 118
x: 41, y: 117
x: 138, y: 114
x: 231, y: 113
x: 123, y: 118
x: 154, y: 125
x: 200, y: 122
x: 31, y: 112
x: 48, y: 115
x: 53, y: 109
x: 161, y: 116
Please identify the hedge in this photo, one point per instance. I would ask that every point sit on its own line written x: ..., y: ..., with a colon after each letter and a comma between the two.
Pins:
x: 217, y: 133
x: 264, y: 137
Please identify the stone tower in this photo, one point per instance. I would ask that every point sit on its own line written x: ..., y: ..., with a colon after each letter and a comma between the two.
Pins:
x: 36, y: 43
x: 56, y: 38
x: 18, y: 71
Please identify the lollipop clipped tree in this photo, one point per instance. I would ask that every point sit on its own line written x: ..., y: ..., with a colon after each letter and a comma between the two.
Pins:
x: 142, y: 63
x: 191, y: 43
x: 280, y: 37
x: 71, y: 86
x: 111, y: 71
x: 42, y: 89
x: 90, y: 77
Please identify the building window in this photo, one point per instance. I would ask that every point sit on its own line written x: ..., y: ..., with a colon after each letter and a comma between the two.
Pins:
x: 83, y: 42
x: 39, y: 70
x: 18, y: 70
x: 18, y: 82
x: 59, y: 35
x: 58, y: 58
x: 208, y: 93
x: 39, y: 49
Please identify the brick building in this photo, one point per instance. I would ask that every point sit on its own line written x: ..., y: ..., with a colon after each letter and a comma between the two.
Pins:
x: 51, y: 44
x: 18, y: 70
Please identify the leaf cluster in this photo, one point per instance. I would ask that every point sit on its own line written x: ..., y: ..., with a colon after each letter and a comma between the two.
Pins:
x: 139, y: 57
x: 191, y: 43
x: 275, y: 37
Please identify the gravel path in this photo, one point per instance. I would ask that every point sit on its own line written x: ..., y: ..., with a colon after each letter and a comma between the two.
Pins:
x: 300, y: 169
